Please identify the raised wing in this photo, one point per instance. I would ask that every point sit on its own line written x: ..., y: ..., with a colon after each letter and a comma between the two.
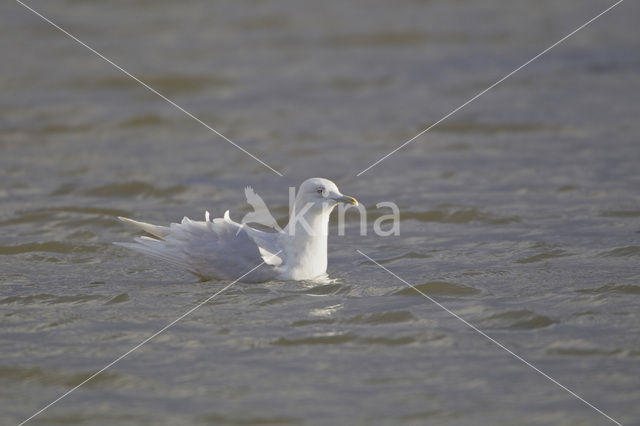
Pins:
x: 260, y: 213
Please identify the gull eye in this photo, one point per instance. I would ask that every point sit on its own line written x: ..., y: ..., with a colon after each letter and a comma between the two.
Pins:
x: 320, y: 190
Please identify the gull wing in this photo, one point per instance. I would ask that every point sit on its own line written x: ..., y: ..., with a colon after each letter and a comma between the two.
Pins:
x: 218, y: 248
x: 260, y: 213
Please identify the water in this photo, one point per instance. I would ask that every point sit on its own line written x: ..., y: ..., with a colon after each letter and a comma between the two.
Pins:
x: 520, y: 213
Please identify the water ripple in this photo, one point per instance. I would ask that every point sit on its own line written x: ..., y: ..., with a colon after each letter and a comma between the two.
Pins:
x: 318, y: 339
x: 458, y: 216
x: 382, y: 318
x: 439, y: 288
x: 622, y: 252
x: 613, y: 288
x: 50, y: 299
x: 55, y: 377
x: 48, y: 247
x: 134, y: 189
x: 522, y: 319
x: 553, y: 254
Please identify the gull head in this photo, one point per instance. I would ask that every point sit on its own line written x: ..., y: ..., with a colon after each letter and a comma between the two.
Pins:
x: 321, y: 195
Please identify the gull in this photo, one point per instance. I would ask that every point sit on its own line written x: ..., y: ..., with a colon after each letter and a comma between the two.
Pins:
x: 224, y: 249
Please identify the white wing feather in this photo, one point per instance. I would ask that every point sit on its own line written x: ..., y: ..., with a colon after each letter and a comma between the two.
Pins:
x: 221, y: 248
x: 260, y: 213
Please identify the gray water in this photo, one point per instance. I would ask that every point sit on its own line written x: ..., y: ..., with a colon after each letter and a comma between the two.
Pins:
x: 520, y: 213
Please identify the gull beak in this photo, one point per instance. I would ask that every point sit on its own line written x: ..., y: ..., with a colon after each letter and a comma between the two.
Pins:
x: 345, y: 199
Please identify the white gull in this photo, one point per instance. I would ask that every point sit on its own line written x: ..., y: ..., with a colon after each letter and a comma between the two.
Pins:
x: 224, y: 249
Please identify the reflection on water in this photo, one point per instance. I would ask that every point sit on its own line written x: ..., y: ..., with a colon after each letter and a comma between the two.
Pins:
x: 519, y: 213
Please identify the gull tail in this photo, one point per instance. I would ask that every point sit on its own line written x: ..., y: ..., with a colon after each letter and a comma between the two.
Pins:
x: 155, y: 247
x: 155, y: 230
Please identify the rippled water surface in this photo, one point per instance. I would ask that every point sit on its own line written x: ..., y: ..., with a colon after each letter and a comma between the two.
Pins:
x: 520, y: 213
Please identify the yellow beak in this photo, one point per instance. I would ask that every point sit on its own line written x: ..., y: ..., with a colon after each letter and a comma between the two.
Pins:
x: 347, y: 200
